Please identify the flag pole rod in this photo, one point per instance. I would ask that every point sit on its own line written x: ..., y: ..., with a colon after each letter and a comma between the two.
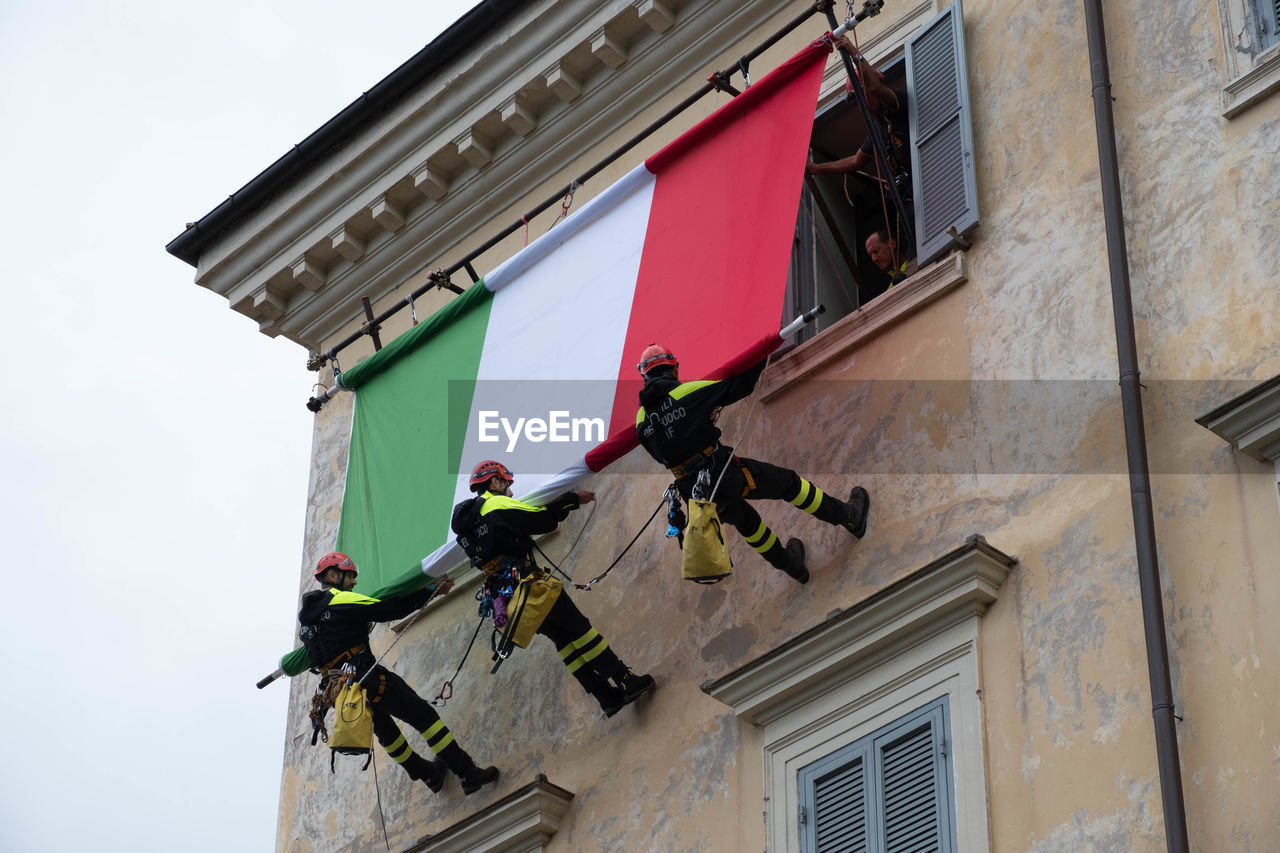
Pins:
x: 805, y: 318
x: 318, y: 360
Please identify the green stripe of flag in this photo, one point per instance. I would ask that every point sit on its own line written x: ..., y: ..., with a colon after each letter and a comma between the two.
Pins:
x: 406, y: 444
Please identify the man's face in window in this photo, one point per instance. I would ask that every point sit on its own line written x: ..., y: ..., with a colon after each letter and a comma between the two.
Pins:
x: 881, y: 252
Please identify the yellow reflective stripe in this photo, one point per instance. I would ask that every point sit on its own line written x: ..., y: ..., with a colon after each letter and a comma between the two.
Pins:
x: 438, y: 736
x: 768, y: 543
x: 687, y: 388
x: 400, y: 750
x: 493, y: 502
x: 640, y: 416
x: 587, y: 656
x: 340, y: 597
x: 804, y: 493
x: 758, y: 535
x: 579, y: 643
x: 813, y: 504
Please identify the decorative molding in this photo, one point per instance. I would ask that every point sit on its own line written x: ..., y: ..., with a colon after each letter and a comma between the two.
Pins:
x: 388, y: 214
x: 1259, y: 82
x: 656, y: 15
x: 609, y: 50
x: 307, y: 273
x: 430, y: 181
x: 958, y: 585
x: 389, y: 157
x: 474, y: 148
x: 521, y: 822
x: 563, y: 83
x: 863, y: 324
x: 517, y: 117
x: 348, y: 244
x: 1250, y: 422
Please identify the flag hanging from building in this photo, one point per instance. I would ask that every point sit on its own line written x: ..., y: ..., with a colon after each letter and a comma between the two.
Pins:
x: 535, y: 365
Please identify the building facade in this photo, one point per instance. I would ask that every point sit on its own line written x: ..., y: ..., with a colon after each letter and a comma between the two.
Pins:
x: 971, y: 675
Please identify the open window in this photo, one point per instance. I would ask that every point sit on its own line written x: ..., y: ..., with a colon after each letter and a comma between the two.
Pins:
x: 839, y: 212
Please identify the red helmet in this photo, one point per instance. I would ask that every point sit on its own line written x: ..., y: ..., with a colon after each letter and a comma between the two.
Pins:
x: 335, y: 560
x: 655, y: 355
x: 487, y: 470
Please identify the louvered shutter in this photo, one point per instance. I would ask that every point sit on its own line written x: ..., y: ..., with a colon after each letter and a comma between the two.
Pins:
x: 888, y: 792
x: 1267, y: 14
x: 942, y: 167
x: 914, y: 813
x: 840, y: 808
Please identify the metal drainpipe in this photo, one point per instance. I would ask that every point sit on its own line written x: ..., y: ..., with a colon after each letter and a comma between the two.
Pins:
x: 1175, y: 815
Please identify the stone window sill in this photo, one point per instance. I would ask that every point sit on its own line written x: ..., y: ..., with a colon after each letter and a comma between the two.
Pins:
x: 1254, y: 85
x: 864, y: 324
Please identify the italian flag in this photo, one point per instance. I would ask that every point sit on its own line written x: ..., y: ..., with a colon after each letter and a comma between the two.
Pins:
x: 535, y: 366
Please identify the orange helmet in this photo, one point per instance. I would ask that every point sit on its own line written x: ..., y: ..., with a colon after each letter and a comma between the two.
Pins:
x: 655, y: 355
x: 487, y: 470
x: 336, y: 560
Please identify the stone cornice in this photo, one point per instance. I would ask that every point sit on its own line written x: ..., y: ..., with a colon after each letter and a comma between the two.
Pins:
x: 398, y: 197
x: 522, y: 821
x: 1250, y: 422
x: 955, y: 586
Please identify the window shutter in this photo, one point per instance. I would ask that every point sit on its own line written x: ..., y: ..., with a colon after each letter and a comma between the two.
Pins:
x: 942, y: 167
x: 912, y: 771
x: 1267, y: 14
x: 840, y: 810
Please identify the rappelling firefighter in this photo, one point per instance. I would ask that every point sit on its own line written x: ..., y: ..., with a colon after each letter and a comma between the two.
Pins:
x: 675, y: 423
x: 335, y: 629
x: 496, y: 531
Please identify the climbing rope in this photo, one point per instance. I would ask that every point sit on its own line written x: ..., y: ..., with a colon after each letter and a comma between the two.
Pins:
x: 442, y: 699
x: 618, y: 559
x: 746, y: 427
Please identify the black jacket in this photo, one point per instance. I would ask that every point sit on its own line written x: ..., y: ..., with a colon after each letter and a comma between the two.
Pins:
x: 334, y: 621
x: 492, y: 526
x: 674, y: 420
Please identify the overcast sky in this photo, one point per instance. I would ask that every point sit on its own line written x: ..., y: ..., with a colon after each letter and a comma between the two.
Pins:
x: 154, y: 445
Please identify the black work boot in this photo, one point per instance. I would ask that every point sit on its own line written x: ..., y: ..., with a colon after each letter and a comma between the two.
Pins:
x: 476, y: 778
x: 789, y: 560
x: 430, y: 772
x: 473, y: 778
x: 857, y: 508
x: 634, y: 686
x: 611, y: 699
x: 795, y: 559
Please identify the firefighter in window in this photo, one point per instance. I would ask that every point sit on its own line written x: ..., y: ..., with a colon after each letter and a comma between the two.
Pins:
x: 888, y: 108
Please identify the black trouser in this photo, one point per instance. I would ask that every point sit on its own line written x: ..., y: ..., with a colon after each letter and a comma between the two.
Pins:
x: 584, y: 651
x: 751, y: 479
x: 390, y: 696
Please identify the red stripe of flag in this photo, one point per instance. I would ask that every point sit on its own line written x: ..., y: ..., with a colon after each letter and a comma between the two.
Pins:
x: 713, y: 271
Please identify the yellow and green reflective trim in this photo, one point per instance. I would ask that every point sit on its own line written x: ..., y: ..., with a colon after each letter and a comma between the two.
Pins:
x: 810, y: 497
x: 399, y: 749
x: 763, y: 539
x: 438, y: 736
x: 578, y: 651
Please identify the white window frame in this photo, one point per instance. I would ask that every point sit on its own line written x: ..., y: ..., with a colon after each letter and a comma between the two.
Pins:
x: 864, y: 668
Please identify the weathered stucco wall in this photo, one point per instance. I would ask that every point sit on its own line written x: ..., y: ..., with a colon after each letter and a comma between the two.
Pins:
x: 995, y: 411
